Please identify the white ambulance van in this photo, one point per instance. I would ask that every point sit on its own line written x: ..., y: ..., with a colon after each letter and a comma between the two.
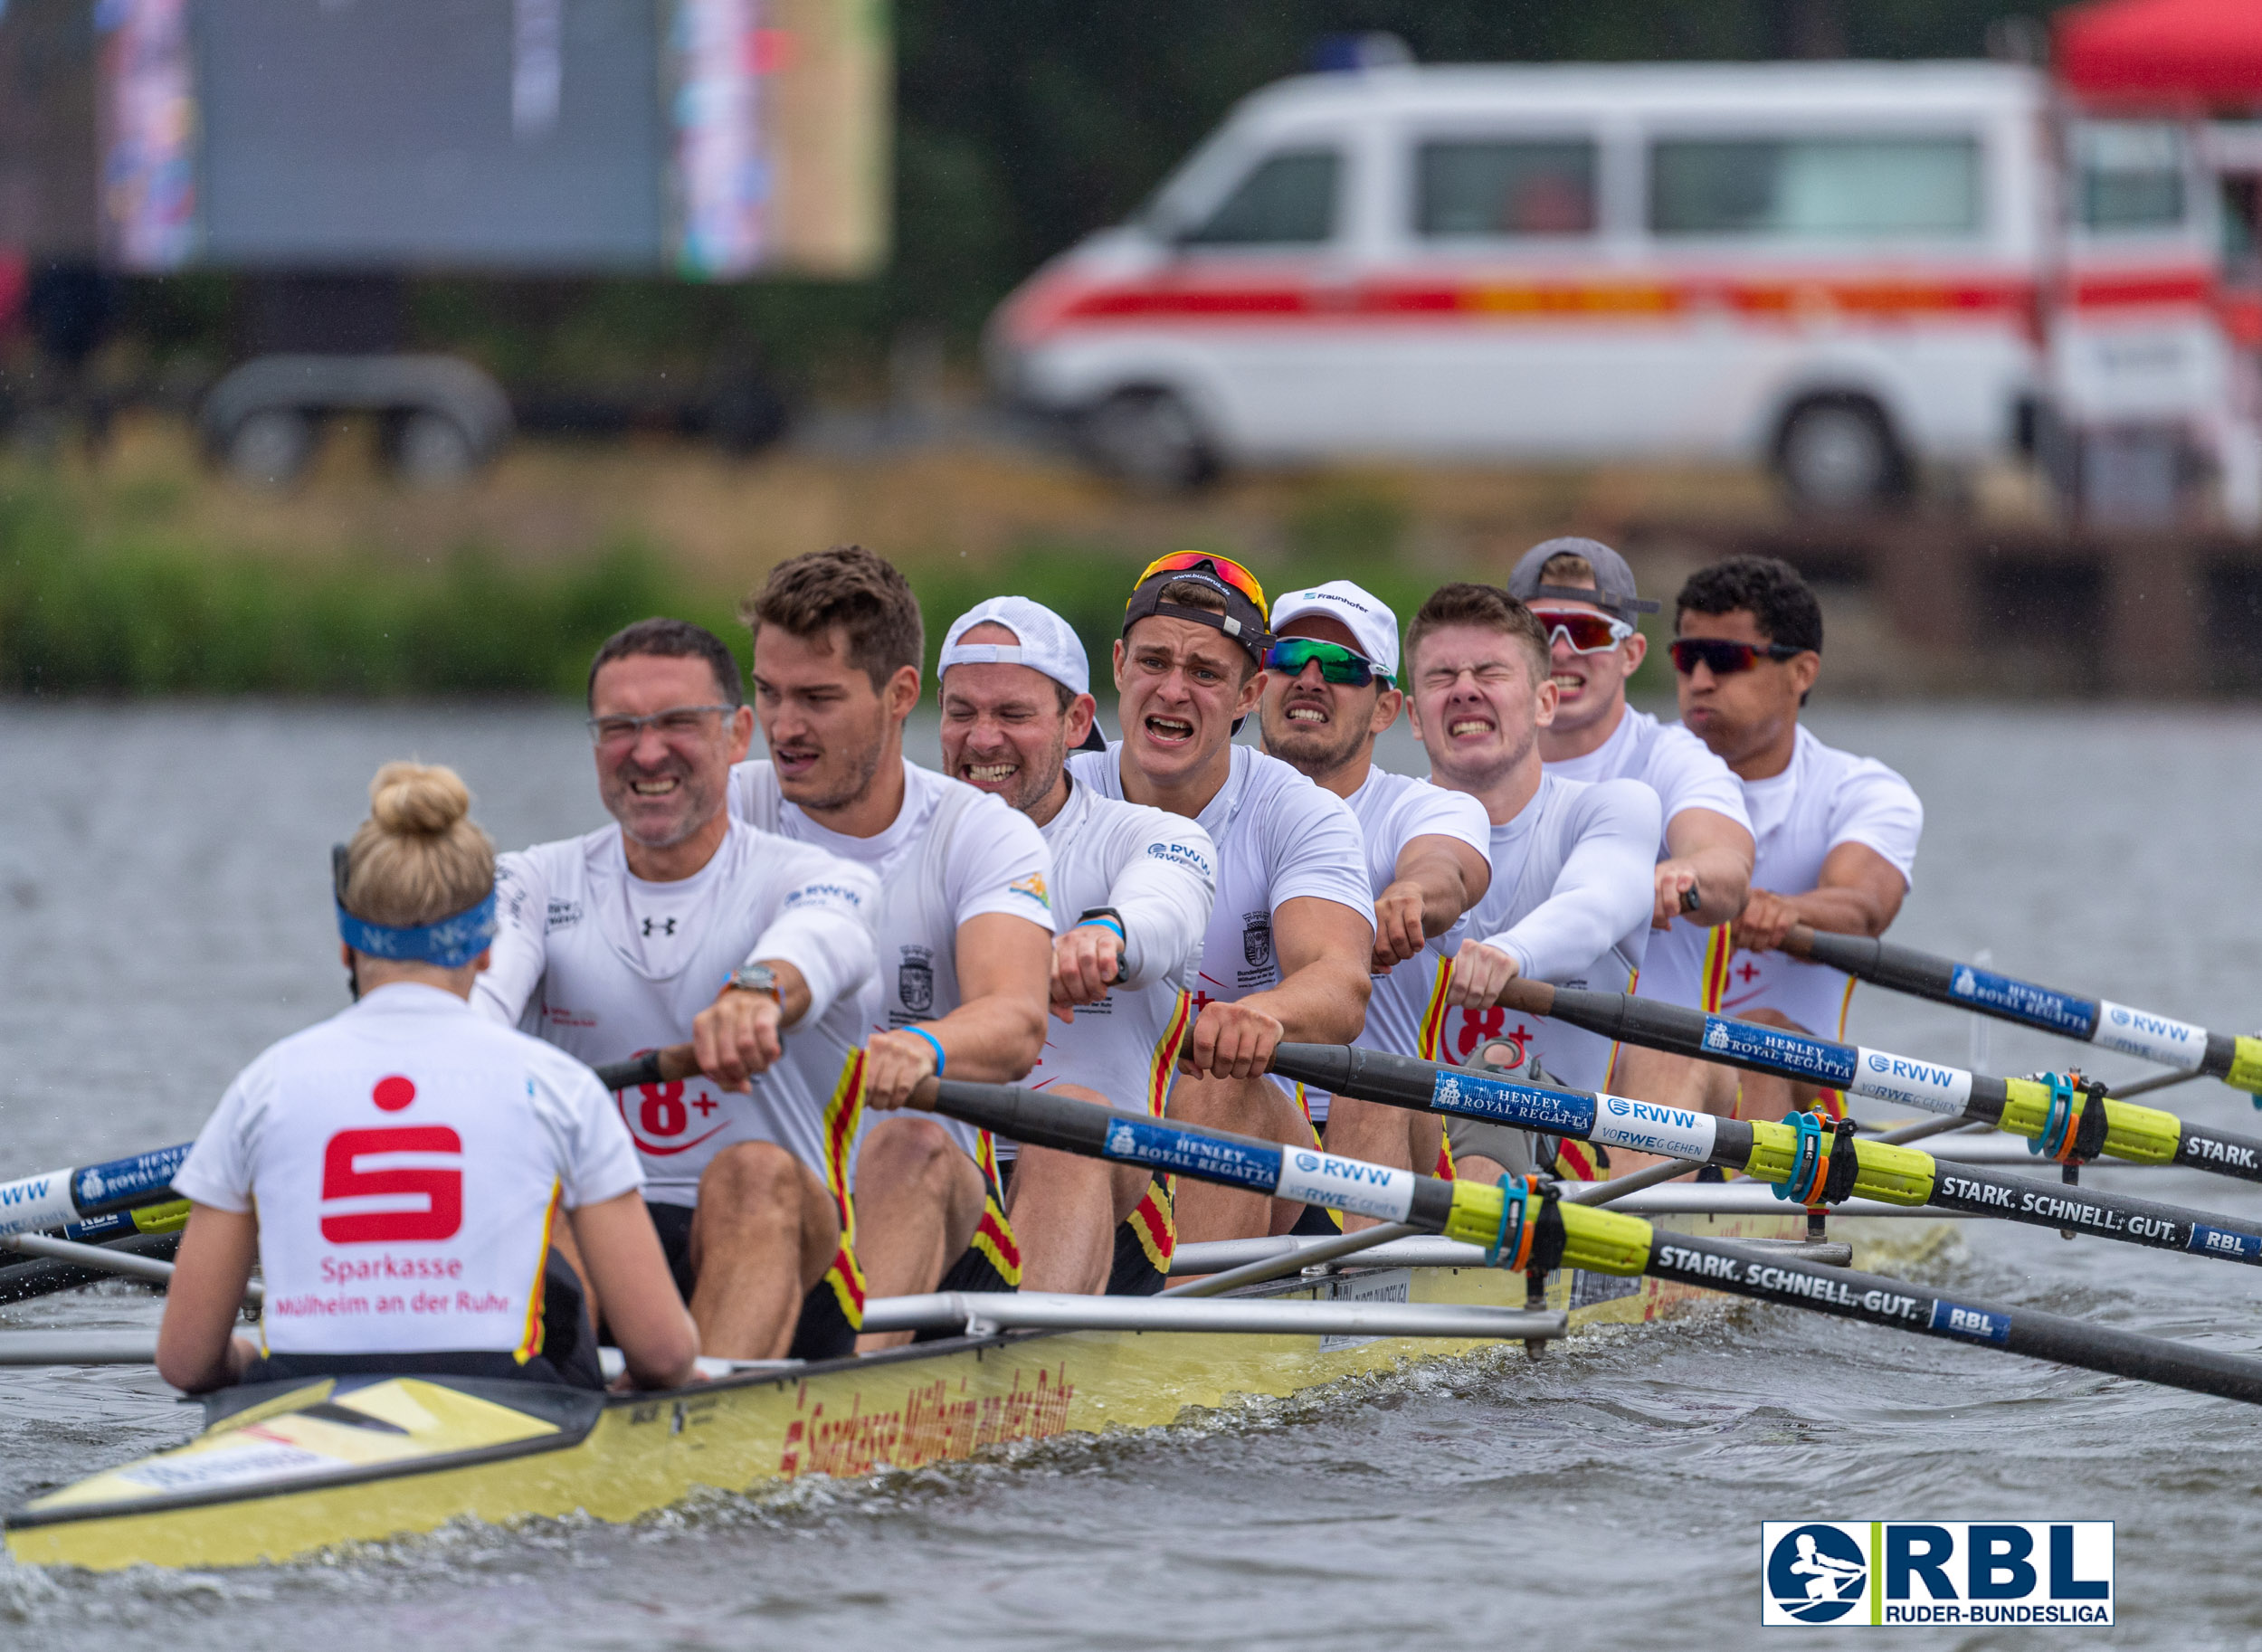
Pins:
x: 1855, y: 273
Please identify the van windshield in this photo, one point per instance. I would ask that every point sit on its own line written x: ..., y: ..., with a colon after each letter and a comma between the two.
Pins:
x: 1504, y: 186
x: 1286, y: 199
x: 1815, y: 189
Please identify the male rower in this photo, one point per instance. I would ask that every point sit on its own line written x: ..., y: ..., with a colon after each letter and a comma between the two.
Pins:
x: 1286, y: 953
x: 1570, y: 895
x: 1131, y: 893
x: 1582, y: 594
x: 966, y: 916
x: 1331, y: 689
x: 678, y: 924
x: 1836, y: 833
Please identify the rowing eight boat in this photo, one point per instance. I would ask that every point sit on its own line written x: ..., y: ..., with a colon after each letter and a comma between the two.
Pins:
x: 290, y: 1469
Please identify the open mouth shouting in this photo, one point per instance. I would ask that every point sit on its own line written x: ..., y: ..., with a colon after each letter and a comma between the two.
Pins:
x: 1170, y: 731
x: 1469, y: 725
x: 652, y: 788
x: 989, y: 775
x: 1308, y: 713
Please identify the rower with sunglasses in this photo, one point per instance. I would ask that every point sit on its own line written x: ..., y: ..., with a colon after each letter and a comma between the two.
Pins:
x: 1331, y: 688
x: 1836, y: 833
x: 1284, y: 954
x: 1582, y: 594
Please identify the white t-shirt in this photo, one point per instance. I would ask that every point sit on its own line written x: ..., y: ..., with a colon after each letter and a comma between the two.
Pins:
x: 406, y: 1158
x: 1823, y: 798
x: 574, y: 963
x: 1158, y: 871
x: 1279, y: 837
x: 951, y: 854
x: 1684, y: 773
x: 1393, y: 810
x: 1570, y: 900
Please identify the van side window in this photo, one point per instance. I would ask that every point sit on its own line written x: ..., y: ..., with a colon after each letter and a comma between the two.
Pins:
x: 1887, y: 188
x: 1287, y: 200
x: 1486, y: 186
x: 2130, y: 175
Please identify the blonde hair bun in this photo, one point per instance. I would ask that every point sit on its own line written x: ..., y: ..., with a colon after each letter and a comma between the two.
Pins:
x: 416, y: 800
x: 418, y: 858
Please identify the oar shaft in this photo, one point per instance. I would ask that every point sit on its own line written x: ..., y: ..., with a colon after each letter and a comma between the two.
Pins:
x: 58, y: 1198
x: 1606, y: 1241
x: 2145, y: 1136
x: 1896, y: 1175
x: 1722, y: 1265
x: 2237, y: 1060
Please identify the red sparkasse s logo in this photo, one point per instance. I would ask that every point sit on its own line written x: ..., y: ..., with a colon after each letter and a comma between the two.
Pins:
x: 439, y: 1186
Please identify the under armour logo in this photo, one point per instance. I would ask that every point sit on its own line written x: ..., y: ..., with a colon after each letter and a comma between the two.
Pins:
x: 666, y: 925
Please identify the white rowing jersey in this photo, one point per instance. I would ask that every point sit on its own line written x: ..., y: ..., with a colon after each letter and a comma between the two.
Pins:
x: 1158, y: 870
x: 1393, y: 810
x: 1686, y: 961
x: 1823, y: 798
x: 1279, y: 837
x: 1570, y: 900
x: 951, y: 854
x: 606, y: 965
x: 407, y: 1158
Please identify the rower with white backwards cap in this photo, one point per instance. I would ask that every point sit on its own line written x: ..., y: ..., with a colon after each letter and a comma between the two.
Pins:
x: 398, y: 1170
x: 1131, y: 894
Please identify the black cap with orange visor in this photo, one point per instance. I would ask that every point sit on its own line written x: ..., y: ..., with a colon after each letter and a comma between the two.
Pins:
x: 1243, y: 619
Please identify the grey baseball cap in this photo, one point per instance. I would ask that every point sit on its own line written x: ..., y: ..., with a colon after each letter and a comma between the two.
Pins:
x: 1613, y: 580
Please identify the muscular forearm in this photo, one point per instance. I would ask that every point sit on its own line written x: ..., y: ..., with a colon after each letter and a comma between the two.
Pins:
x: 991, y: 1040
x: 1324, y: 1002
x: 1723, y: 879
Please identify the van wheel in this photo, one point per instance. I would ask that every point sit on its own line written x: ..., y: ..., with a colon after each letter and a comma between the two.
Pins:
x: 431, y: 450
x: 1149, y: 440
x: 268, y: 448
x: 1838, y: 453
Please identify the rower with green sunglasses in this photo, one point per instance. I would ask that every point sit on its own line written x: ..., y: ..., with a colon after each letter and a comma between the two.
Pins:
x: 1331, y: 688
x: 1837, y: 834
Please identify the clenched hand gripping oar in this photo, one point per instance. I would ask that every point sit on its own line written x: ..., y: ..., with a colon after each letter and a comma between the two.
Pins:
x: 2061, y: 1120
x: 1807, y: 1163
x: 1522, y: 1225
x: 2236, y: 1058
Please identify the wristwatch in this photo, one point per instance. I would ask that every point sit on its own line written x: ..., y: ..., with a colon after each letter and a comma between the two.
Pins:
x: 752, y: 977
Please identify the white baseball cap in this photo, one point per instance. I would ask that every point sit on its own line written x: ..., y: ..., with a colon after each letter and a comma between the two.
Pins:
x: 1048, y: 644
x: 1374, y: 626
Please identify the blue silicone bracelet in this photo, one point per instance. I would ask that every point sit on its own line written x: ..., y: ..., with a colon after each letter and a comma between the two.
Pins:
x: 940, y: 1058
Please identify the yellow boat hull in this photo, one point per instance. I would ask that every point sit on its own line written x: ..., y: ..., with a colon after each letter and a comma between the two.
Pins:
x: 360, y: 1460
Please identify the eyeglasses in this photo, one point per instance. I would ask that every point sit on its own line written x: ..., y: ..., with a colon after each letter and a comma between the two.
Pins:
x: 1337, y: 664
x: 1223, y: 567
x: 678, y: 725
x: 1724, y: 658
x: 1587, y: 632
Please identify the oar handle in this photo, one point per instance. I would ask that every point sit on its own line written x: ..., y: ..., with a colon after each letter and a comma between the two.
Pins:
x: 669, y: 1066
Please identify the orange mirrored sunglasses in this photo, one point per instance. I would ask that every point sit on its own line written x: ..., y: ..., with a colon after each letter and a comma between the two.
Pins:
x: 1228, y: 570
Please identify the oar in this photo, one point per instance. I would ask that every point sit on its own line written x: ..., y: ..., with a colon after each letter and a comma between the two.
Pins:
x: 1523, y: 1226
x: 108, y: 1259
x: 2022, y: 1107
x: 1808, y: 1165
x: 2234, y: 1058
x: 58, y: 1198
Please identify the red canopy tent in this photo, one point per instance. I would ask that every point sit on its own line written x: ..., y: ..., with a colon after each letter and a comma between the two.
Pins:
x: 2186, y: 55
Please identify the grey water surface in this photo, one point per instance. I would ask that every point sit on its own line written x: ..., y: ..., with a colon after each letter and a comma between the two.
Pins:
x: 164, y: 914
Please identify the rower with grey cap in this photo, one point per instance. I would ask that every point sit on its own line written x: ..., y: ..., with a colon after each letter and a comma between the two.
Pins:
x: 1583, y: 595
x: 1131, y: 895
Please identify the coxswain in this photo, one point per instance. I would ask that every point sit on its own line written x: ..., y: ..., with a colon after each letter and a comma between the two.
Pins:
x: 676, y: 925
x: 398, y: 1171
x: 1837, y: 834
x: 1331, y: 690
x: 1292, y: 928
x: 1131, y: 893
x: 1582, y: 593
x: 966, y: 910
x: 1570, y: 896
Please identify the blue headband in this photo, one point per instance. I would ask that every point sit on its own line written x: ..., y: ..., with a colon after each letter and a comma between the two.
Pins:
x: 452, y: 942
